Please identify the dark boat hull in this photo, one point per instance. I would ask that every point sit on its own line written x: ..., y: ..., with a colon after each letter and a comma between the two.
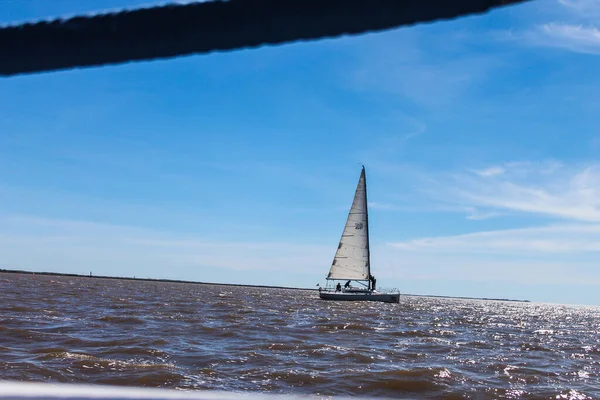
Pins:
x: 368, y: 296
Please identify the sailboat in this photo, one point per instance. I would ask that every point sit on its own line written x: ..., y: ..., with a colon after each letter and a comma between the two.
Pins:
x: 352, y: 261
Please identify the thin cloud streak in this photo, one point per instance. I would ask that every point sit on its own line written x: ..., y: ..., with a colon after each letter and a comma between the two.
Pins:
x: 491, y: 171
x: 539, y: 240
x: 476, y: 215
x: 420, y: 129
x: 584, y: 8
x: 411, y: 73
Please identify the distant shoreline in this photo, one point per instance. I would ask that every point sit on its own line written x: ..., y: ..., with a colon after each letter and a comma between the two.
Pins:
x: 125, y: 278
x: 17, y: 271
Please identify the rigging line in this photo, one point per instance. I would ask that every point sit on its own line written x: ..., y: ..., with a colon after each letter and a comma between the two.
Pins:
x: 175, y: 30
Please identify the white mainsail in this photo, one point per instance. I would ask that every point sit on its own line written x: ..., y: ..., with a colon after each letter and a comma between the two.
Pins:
x: 351, y: 260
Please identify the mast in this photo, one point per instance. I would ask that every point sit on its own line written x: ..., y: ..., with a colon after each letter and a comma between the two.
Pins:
x: 367, y: 229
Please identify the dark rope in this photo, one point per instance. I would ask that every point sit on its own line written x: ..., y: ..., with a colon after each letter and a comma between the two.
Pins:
x: 175, y: 30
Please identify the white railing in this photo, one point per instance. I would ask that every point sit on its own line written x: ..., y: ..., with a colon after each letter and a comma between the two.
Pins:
x: 388, y: 290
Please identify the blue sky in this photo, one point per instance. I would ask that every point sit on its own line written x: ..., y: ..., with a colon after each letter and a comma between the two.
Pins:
x: 480, y: 137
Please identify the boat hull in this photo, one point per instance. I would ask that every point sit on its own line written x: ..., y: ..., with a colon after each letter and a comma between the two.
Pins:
x: 340, y: 296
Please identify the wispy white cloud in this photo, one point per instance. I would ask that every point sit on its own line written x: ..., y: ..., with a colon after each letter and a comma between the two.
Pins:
x: 575, y: 38
x: 549, y: 189
x: 570, y: 25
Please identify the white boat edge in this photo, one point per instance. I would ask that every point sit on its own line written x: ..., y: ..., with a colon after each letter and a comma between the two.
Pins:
x: 19, y: 390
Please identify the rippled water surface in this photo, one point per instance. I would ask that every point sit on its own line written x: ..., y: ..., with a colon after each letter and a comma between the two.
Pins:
x: 288, y: 341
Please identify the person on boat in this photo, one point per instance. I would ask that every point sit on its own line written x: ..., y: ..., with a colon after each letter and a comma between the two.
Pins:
x: 347, y: 285
x: 373, y: 281
x: 338, y: 288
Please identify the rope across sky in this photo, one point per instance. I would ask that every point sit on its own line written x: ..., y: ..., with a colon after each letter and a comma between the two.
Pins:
x: 181, y: 29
